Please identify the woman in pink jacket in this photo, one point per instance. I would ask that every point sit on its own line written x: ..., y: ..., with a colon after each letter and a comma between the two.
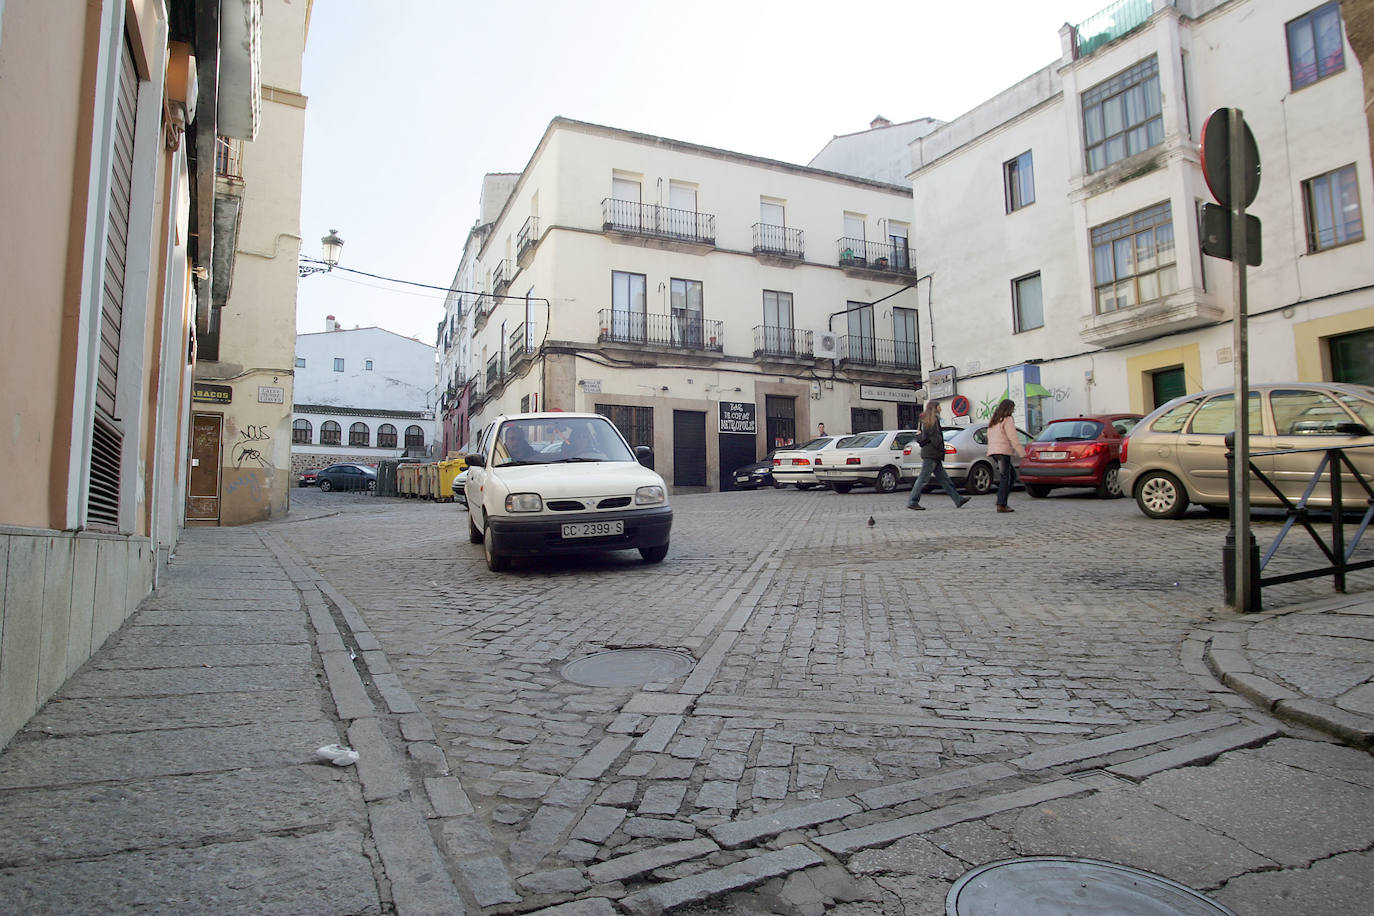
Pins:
x: 1003, y: 442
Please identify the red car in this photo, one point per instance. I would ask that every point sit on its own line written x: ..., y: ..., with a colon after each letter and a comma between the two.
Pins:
x: 307, y: 478
x: 1077, y: 452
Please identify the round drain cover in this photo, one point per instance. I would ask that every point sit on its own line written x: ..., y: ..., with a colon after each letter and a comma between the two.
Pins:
x: 627, y: 667
x: 1059, y: 885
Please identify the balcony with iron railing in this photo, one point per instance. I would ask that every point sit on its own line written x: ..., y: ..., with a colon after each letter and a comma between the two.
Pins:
x: 501, y: 276
x: 879, y: 353
x: 651, y: 220
x: 884, y: 257
x: 494, y: 375
x: 683, y: 331
x: 782, y: 343
x: 517, y: 347
x: 1109, y: 24
x: 527, y: 238
x: 477, y: 393
x: 228, y: 158
x: 779, y: 241
x: 481, y: 309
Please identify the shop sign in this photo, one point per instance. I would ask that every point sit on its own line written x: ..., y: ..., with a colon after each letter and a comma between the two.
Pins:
x: 737, y: 417
x: 940, y: 383
x: 879, y: 393
x: 211, y: 394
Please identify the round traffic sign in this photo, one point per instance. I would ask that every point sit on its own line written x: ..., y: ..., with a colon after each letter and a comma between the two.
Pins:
x: 1218, y: 158
x: 959, y: 406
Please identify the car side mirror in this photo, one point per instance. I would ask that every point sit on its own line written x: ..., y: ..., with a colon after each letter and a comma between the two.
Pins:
x: 1352, y: 429
x: 476, y: 460
x: 645, y: 456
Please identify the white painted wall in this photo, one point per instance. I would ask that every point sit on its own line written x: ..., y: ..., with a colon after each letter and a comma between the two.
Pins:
x: 401, y: 377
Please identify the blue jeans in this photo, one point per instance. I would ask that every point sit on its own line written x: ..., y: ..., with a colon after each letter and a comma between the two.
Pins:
x: 1005, y: 473
x: 930, y: 467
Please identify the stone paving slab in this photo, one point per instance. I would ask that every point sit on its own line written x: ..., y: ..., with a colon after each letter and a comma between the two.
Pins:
x: 706, y: 885
x: 104, y: 682
x: 65, y: 717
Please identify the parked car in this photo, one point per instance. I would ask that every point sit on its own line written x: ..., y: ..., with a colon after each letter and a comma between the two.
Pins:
x: 1077, y: 452
x: 541, y: 484
x: 795, y: 465
x: 347, y: 477
x: 1177, y: 454
x: 307, y: 478
x: 756, y: 474
x: 966, y: 458
x: 460, y: 482
x: 873, y: 458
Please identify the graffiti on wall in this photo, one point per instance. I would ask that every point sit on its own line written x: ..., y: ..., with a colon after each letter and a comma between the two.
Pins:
x: 245, y: 450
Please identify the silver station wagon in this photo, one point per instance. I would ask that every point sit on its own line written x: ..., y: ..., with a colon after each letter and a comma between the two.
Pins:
x: 1177, y: 454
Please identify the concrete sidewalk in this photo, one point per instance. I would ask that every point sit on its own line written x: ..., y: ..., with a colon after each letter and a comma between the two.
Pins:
x: 176, y: 771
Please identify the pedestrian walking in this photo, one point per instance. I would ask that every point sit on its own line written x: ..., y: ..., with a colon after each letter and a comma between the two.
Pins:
x: 931, y: 438
x: 1003, y: 442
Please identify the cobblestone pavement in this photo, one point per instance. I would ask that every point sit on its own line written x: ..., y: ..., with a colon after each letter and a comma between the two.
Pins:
x: 862, y: 677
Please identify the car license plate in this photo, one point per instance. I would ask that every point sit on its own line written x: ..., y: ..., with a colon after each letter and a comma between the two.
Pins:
x: 741, y: 478
x: 1053, y: 456
x: 593, y: 529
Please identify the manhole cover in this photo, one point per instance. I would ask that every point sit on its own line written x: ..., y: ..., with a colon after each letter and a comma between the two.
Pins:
x: 1060, y: 885
x: 627, y: 667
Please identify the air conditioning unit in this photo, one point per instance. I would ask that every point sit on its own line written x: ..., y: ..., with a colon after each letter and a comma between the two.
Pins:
x: 827, y: 345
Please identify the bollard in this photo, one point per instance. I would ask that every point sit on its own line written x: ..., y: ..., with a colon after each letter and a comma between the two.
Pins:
x: 1228, y: 571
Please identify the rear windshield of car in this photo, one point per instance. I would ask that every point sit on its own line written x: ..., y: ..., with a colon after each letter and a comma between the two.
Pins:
x: 1069, y: 431
x: 862, y: 440
x: 813, y: 445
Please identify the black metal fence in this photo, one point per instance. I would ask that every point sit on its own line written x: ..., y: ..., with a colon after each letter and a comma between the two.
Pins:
x: 1327, y: 486
x: 779, y: 240
x: 663, y: 222
x: 859, y: 350
x: 769, y: 341
x: 875, y: 256
x: 684, y: 330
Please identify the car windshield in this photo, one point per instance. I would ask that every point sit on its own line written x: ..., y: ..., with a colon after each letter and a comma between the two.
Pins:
x: 558, y: 440
x: 1070, y: 431
x: 862, y: 440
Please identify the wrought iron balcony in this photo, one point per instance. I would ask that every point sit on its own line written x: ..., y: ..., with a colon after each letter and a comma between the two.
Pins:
x: 881, y: 256
x: 526, y: 239
x: 517, y: 347
x: 879, y: 353
x: 494, y: 374
x: 784, y: 342
x: 501, y: 276
x: 477, y: 393
x: 481, y: 308
x: 658, y: 222
x: 780, y: 241
x: 685, y: 331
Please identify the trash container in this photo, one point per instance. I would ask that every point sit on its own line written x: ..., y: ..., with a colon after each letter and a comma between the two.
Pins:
x: 406, y: 480
x: 448, y: 470
x: 429, y: 481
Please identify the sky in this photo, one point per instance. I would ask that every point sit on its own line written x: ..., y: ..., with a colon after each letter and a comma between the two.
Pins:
x: 411, y: 102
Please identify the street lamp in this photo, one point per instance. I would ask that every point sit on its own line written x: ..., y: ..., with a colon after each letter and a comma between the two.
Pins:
x: 332, y: 247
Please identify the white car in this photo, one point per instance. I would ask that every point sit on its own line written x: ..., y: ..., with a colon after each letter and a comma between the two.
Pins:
x: 460, y: 484
x: 867, y: 458
x: 796, y: 466
x: 541, y: 484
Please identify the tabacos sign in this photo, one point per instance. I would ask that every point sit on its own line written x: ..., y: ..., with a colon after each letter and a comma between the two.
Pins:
x: 737, y: 417
x: 202, y: 393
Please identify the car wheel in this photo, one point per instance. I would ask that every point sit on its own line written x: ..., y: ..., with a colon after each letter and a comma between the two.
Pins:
x: 887, y: 481
x: 371, y: 485
x: 979, y: 479
x: 654, y: 554
x: 1160, y: 495
x: 495, y: 561
x: 325, y: 486
x: 843, y: 487
x: 778, y: 484
x: 474, y: 536
x: 1038, y: 490
x: 1110, y: 487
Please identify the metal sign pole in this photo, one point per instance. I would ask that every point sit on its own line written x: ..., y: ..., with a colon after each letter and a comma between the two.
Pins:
x: 1240, y: 510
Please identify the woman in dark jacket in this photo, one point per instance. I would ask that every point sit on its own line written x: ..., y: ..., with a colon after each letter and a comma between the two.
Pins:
x: 933, y: 459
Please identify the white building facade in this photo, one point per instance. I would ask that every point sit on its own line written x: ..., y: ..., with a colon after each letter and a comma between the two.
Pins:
x: 1060, y: 219
x: 361, y: 395
x: 714, y: 305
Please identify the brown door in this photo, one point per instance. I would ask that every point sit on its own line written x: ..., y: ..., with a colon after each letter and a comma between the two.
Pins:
x: 202, y: 496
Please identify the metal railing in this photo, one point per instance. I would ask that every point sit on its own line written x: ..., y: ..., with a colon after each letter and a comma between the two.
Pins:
x: 858, y: 350
x: 1339, y: 550
x: 493, y: 371
x: 1110, y: 24
x: 770, y: 341
x: 228, y: 158
x: 661, y: 222
x: 501, y: 276
x: 685, y: 331
x: 517, y: 348
x: 875, y: 256
x: 781, y: 241
x: 481, y: 308
x: 527, y: 237
x: 477, y: 393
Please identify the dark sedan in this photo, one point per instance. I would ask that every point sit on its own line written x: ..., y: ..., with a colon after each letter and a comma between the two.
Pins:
x: 758, y: 474
x: 346, y: 477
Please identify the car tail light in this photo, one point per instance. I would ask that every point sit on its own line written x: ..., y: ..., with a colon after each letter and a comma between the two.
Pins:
x: 804, y: 462
x: 1093, y: 449
x: 1124, y: 444
x: 951, y: 450
x: 906, y: 452
x: 853, y: 459
x: 819, y: 462
x: 777, y: 462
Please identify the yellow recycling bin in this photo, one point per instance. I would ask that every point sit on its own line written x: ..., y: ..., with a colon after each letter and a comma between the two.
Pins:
x: 448, y: 470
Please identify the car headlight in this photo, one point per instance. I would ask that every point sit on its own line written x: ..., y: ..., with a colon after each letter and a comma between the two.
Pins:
x: 524, y: 502
x: 650, y: 496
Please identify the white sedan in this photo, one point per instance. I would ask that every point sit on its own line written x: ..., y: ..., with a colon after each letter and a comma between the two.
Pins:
x: 541, y: 484
x: 873, y: 458
x: 796, y: 466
